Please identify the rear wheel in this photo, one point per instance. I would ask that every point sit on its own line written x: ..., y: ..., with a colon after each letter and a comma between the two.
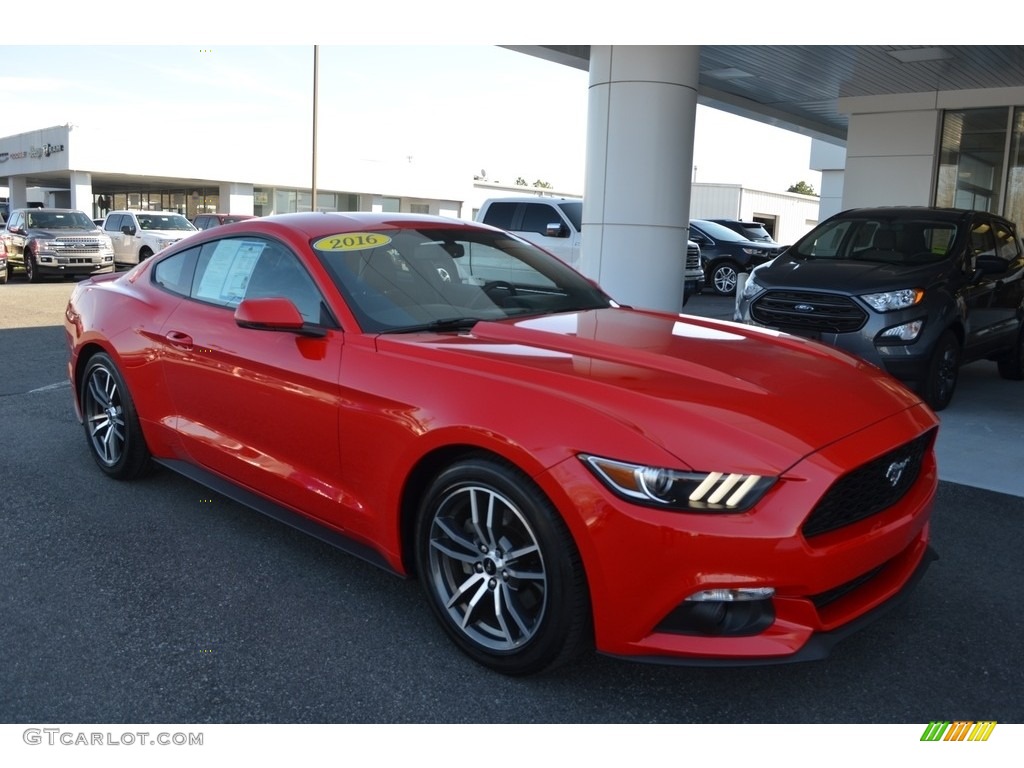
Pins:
x: 1011, y: 366
x: 500, y: 570
x: 943, y: 369
x: 111, y: 423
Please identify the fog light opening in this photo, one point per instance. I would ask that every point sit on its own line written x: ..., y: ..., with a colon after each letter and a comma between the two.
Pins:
x: 722, y: 613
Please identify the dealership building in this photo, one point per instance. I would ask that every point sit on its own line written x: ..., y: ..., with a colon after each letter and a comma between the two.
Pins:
x: 893, y: 125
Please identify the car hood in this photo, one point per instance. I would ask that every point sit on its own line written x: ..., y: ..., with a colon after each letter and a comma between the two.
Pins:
x: 767, y: 398
x: 845, y: 276
x: 52, y: 234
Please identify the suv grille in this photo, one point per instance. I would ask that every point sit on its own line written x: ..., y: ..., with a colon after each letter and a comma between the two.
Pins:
x: 869, y: 489
x: 693, y: 257
x: 808, y: 311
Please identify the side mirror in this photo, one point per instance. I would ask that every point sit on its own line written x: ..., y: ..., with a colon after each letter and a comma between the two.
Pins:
x: 128, y: 229
x: 273, y: 314
x: 556, y: 230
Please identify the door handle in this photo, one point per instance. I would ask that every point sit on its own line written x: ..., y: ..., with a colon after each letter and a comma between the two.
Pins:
x: 179, y: 340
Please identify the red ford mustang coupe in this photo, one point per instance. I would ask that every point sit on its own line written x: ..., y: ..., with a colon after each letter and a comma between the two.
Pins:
x: 560, y: 472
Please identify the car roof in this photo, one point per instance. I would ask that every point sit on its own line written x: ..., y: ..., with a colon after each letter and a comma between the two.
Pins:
x: 320, y: 224
x: 911, y: 211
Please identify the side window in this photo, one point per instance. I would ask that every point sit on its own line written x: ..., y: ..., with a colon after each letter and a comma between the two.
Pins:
x: 500, y: 215
x: 174, y: 274
x: 981, y: 238
x: 233, y: 269
x: 15, y: 221
x: 112, y: 223
x: 1007, y: 247
x: 537, y: 216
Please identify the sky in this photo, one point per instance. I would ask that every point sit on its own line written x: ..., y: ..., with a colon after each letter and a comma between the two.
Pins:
x: 472, y: 107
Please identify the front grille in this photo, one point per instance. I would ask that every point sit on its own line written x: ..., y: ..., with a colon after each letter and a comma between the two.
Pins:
x: 693, y: 257
x: 808, y: 311
x: 822, y: 599
x: 68, y: 246
x: 869, y: 489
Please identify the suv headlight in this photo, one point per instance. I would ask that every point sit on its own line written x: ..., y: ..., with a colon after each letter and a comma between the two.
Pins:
x: 890, y: 301
x: 752, y: 288
x: 676, y: 490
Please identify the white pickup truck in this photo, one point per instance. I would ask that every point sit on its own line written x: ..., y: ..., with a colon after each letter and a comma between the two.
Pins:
x: 137, y: 235
x: 556, y: 224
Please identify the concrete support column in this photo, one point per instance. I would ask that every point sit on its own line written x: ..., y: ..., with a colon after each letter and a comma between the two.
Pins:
x: 236, y: 198
x: 636, y: 205
x: 17, y: 192
x: 81, y: 193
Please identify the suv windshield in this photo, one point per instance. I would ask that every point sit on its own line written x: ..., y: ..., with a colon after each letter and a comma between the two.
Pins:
x: 882, y: 240
x: 59, y: 220
x: 405, y: 280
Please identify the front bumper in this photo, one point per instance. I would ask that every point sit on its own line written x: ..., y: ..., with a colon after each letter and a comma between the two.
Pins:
x: 642, y: 564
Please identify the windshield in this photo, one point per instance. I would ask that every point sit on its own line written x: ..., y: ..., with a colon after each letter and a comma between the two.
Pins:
x: 574, y: 212
x: 164, y: 221
x: 412, y: 279
x: 879, y: 239
x: 718, y: 232
x: 59, y: 220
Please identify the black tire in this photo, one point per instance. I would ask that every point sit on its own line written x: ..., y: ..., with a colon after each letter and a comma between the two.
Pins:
x: 724, y: 275
x: 31, y: 268
x: 943, y: 370
x: 1011, y: 366
x: 144, y: 254
x: 111, y: 423
x: 508, y: 587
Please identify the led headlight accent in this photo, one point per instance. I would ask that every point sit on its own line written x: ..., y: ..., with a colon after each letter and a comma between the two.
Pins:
x: 674, y: 489
x: 742, y: 594
x: 890, y: 301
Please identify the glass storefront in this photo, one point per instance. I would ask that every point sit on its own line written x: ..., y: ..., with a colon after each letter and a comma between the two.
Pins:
x: 981, y: 161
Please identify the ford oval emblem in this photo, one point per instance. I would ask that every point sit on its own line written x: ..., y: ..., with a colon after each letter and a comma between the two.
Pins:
x: 803, y: 308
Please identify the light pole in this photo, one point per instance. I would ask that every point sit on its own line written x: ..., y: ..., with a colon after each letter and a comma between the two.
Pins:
x: 316, y: 67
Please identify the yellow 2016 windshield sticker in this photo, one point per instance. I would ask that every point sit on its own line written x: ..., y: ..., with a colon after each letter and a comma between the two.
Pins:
x: 353, y: 241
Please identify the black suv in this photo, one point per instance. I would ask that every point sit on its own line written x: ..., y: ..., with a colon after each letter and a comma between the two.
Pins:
x: 727, y: 253
x: 916, y: 291
x: 752, y: 230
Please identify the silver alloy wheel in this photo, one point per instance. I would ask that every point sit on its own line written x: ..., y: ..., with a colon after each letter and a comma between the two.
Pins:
x: 486, y: 567
x: 104, y: 416
x: 724, y: 279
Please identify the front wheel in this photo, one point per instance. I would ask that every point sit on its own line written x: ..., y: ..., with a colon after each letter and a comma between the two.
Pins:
x: 1011, y: 365
x: 111, y: 423
x: 31, y: 269
x: 723, y: 278
x: 144, y: 254
x: 943, y: 369
x: 500, y: 569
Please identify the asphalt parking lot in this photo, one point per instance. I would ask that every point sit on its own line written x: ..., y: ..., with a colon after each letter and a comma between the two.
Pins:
x: 161, y: 602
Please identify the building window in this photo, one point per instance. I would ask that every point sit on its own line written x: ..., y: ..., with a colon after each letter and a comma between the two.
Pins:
x: 972, y: 159
x: 419, y: 207
x: 1014, y: 209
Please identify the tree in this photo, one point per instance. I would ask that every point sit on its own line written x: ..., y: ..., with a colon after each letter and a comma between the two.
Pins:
x: 803, y: 188
x: 542, y: 184
x: 520, y: 181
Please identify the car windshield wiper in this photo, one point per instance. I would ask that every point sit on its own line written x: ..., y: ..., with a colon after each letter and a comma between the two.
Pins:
x: 442, y: 324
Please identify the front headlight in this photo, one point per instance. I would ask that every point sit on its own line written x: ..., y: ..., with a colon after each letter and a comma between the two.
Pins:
x: 752, y: 288
x: 673, y: 489
x: 890, y: 301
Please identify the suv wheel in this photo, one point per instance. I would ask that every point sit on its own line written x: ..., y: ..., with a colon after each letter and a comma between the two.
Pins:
x: 1011, y: 366
x: 940, y: 380
x: 723, y: 278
